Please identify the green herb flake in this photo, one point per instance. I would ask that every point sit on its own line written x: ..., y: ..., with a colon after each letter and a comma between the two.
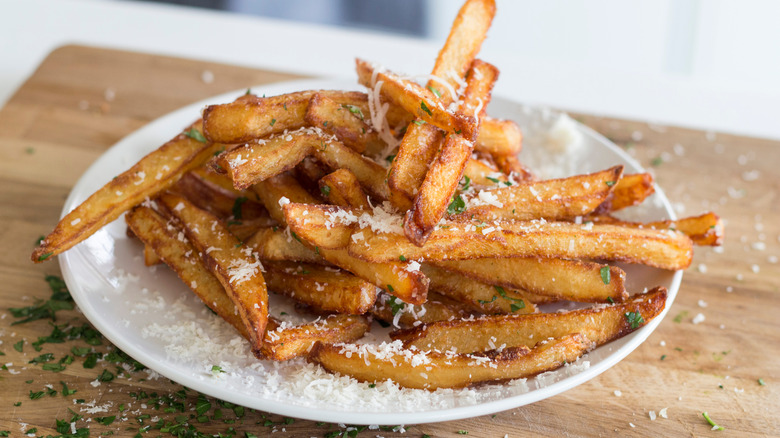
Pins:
x: 17, y: 404
x: 657, y: 161
x: 19, y: 345
x: 712, y: 423
x: 678, y: 319
x: 67, y: 391
x: 634, y: 319
x: 45, y: 256
x: 605, y: 274
x: 325, y: 191
x: 610, y: 183
x: 402, y: 258
x: 36, y: 395
x: 463, y: 432
x: 457, y: 206
x: 395, y: 305
x: 761, y: 382
x: 41, y: 238
x: 272, y: 122
x: 106, y: 376
x: 466, y: 183
x: 354, y: 110
x: 217, y: 369
x: 390, y: 288
x: 195, y: 135
x: 663, y: 357
x: 610, y: 300
x: 390, y: 158
x: 106, y: 421
x: 425, y: 108
x: 60, y: 300
x: 419, y: 122
x: 372, y: 385
x: 237, y: 212
x: 434, y: 91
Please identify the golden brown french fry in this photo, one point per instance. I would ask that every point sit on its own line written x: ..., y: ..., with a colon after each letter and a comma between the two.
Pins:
x: 510, y: 164
x: 151, y: 175
x: 254, y: 162
x: 310, y: 171
x: 346, y: 122
x: 407, y: 171
x: 322, y: 226
x: 183, y: 259
x: 597, y: 324
x: 274, y: 244
x: 341, y: 187
x: 222, y: 203
x: 500, y: 138
x: 663, y: 249
x: 284, y: 342
x: 433, y: 370
x: 630, y: 190
x: 553, y: 199
x: 480, y: 173
x: 437, y: 189
x: 556, y: 278
x: 250, y: 117
x: 370, y: 174
x: 478, y: 296
x: 417, y: 100
x: 706, y: 229
x: 150, y: 257
x: 324, y: 288
x: 274, y: 189
x: 236, y: 268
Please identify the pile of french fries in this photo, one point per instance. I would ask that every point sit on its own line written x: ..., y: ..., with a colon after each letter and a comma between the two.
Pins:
x: 406, y: 204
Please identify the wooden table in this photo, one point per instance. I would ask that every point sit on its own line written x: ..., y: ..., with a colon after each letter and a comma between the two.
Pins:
x: 82, y: 100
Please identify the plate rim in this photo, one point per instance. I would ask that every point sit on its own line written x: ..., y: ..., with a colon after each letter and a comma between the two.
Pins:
x: 67, y: 259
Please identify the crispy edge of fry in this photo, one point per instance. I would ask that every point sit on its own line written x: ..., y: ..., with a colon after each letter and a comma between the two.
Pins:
x: 630, y: 190
x: 285, y: 343
x: 216, y: 200
x: 346, y: 122
x: 238, y: 272
x: 552, y: 199
x: 707, y: 229
x: 122, y: 193
x: 341, y: 187
x: 417, y: 150
x: 433, y: 370
x: 476, y: 295
x: 154, y: 231
x: 417, y: 100
x: 371, y: 175
x: 273, y: 244
x: 499, y: 138
x: 323, y: 288
x: 479, y: 171
x: 320, y: 225
x: 572, y: 280
x: 252, y: 163
x: 435, y: 194
x: 663, y: 249
x: 251, y: 117
x: 274, y: 190
x: 150, y: 256
x: 597, y: 324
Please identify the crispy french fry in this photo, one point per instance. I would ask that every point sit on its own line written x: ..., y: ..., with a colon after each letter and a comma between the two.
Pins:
x: 274, y: 244
x: 236, y: 268
x: 183, y: 259
x: 151, y: 175
x: 553, y: 199
x: 341, y: 187
x: 482, y: 174
x: 630, y: 190
x: 477, y: 295
x: 465, y: 240
x: 254, y: 162
x: 706, y: 229
x: 510, y: 164
x: 556, y: 278
x: 346, y: 122
x: 222, y: 203
x: 310, y: 171
x: 326, y: 289
x: 417, y: 100
x: 597, y: 324
x: 438, y: 308
x: 150, y: 257
x: 500, y: 138
x: 416, y: 369
x: 283, y: 342
x: 370, y: 174
x: 274, y: 189
x: 407, y: 171
x: 251, y: 117
x: 323, y: 226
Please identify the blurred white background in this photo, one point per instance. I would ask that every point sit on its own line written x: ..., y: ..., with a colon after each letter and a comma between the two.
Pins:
x: 706, y: 64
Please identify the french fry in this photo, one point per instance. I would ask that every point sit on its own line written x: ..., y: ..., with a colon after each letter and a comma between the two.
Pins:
x: 553, y: 199
x: 284, y: 343
x: 341, y: 187
x: 324, y: 288
x: 478, y: 296
x: 183, y: 259
x: 284, y: 185
x: 236, y: 268
x: 510, y: 164
x: 346, y: 122
x: 705, y: 230
x: 150, y: 257
x: 466, y: 240
x: 630, y: 190
x: 499, y: 138
x: 370, y: 174
x: 596, y: 324
x: 417, y: 100
x: 222, y: 203
x: 274, y: 244
x: 437, y: 308
x: 407, y: 170
x: 482, y: 174
x: 151, y: 175
x: 254, y: 162
x: 560, y: 279
x: 321, y: 225
x: 415, y: 369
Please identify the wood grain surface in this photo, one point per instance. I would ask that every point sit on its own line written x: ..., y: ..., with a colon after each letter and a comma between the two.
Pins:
x: 82, y: 100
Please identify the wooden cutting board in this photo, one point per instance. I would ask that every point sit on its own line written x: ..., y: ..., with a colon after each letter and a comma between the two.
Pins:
x: 83, y: 99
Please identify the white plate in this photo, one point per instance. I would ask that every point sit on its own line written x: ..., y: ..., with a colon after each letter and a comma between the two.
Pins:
x: 153, y: 317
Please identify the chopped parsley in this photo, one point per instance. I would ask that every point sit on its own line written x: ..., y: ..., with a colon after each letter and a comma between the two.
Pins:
x: 466, y: 183
x: 217, y: 369
x: 395, y: 305
x: 516, y: 303
x: 434, y: 91
x: 495, y: 180
x: 325, y: 191
x: 402, y: 258
x: 610, y: 183
x: 657, y: 161
x: 761, y: 382
x: 390, y: 288
x: 610, y: 300
x: 634, y: 319
x: 237, y: 212
x: 425, y: 108
x: 390, y: 158
x: 457, y: 206
x: 60, y: 300
x: 44, y: 256
x: 712, y: 423
x: 605, y: 274
x: 354, y: 110
x: 272, y: 122
x: 195, y: 135
x: 419, y: 122
x: 18, y: 346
